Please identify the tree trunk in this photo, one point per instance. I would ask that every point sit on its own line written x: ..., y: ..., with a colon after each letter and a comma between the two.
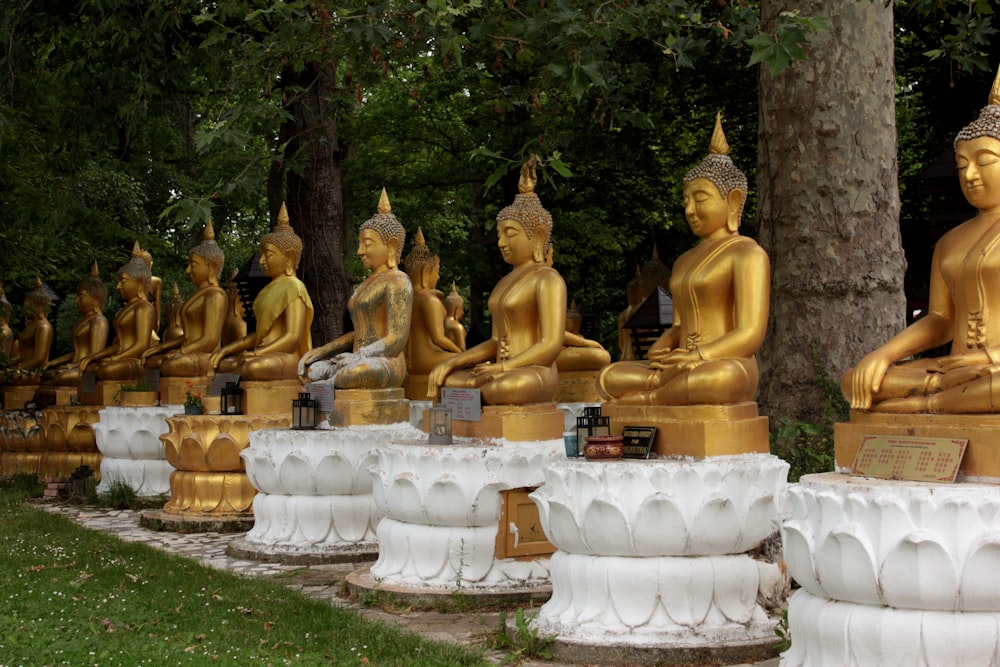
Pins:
x: 315, y: 198
x: 829, y: 203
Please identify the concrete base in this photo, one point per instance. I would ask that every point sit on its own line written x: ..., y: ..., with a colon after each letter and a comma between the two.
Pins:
x: 415, y: 387
x: 290, y: 555
x: 366, y: 407
x: 180, y: 523
x: 579, y: 653
x: 516, y: 423
x: 982, y: 456
x: 578, y: 387
x: 272, y: 397
x: 360, y: 584
x: 698, y: 431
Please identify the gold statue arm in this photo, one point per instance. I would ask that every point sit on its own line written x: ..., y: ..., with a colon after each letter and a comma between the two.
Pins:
x: 213, y: 306
x: 241, y: 345
x: 434, y: 315
x: 340, y: 344
x: 97, y: 356
x: 288, y: 342
x: 576, y: 340
x: 160, y: 348
x: 143, y: 328
x: 751, y: 298
x: 44, y: 333
x: 484, y: 352
x: 59, y: 361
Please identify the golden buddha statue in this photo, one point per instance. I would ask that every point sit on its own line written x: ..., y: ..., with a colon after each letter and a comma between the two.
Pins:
x: 154, y: 291
x: 175, y: 328
x: 962, y: 306
x: 234, y: 326
x: 89, y: 335
x: 133, y: 325
x: 634, y: 298
x: 721, y: 293
x: 579, y: 353
x: 373, y: 355
x: 6, y: 334
x: 283, y: 310
x: 454, y: 306
x: 517, y: 365
x: 427, y: 345
x: 35, y: 341
x: 201, y: 316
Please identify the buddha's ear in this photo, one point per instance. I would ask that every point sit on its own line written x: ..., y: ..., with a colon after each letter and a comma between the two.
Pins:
x: 735, y: 199
x: 425, y: 275
x: 538, y: 249
x: 393, y: 259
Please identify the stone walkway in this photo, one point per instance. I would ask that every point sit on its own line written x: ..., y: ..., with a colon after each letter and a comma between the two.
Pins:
x: 321, y: 582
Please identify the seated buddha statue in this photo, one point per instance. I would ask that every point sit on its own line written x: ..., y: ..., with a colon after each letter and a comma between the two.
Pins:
x: 133, y: 326
x: 963, y: 306
x: 6, y: 334
x: 35, y: 341
x: 89, y: 335
x: 201, y: 316
x: 174, y: 328
x: 154, y: 292
x: 283, y: 310
x: 234, y: 326
x: 579, y: 353
x: 427, y: 345
x: 517, y: 364
x: 454, y: 306
x: 721, y: 291
x: 373, y: 355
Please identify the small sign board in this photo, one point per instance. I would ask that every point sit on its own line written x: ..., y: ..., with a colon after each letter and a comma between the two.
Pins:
x: 911, y: 458
x: 638, y: 441
x: 88, y: 383
x: 151, y: 378
x: 219, y: 382
x: 322, y: 393
x: 466, y: 404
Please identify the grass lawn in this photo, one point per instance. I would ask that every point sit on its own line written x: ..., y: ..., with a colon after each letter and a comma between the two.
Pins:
x: 69, y: 596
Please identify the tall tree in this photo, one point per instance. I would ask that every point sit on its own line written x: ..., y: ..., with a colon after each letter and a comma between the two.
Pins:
x: 829, y: 204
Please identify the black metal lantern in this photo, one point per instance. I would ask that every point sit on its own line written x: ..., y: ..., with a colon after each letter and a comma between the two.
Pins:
x: 304, y: 412
x: 439, y: 425
x: 232, y: 399
x: 591, y: 422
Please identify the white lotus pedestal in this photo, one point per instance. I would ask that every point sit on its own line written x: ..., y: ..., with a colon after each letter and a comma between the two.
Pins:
x: 652, y: 564
x: 442, y: 512
x: 892, y: 572
x: 314, y: 500
x: 129, y: 439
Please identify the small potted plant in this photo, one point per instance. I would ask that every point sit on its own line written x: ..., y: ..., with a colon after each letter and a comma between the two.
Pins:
x: 192, y: 401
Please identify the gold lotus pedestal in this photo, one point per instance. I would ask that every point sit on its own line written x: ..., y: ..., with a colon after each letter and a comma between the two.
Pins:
x: 19, y: 443
x: 49, y: 443
x: 209, y: 490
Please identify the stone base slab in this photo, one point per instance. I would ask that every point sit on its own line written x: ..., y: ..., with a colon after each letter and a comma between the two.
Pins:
x: 188, y: 523
x: 698, y: 431
x: 415, y: 387
x: 265, y: 398
x: 367, y: 407
x: 361, y: 584
x: 515, y: 423
x: 982, y: 456
x: 578, y: 387
x: 291, y: 555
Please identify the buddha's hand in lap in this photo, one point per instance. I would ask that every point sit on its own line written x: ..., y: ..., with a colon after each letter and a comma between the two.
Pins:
x: 436, y: 379
x: 866, y: 380
x: 308, y: 359
x: 488, y: 371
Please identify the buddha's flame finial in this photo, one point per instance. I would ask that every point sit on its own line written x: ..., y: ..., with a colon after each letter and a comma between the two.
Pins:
x: 177, y: 291
x: 454, y: 288
x: 718, y: 145
x: 573, y: 307
x: 209, y: 233
x: 136, y: 251
x: 419, y: 240
x: 94, y: 271
x: 995, y: 90
x: 655, y: 257
x: 282, y: 215
x: 528, y: 179
x: 383, y: 203
x: 38, y: 281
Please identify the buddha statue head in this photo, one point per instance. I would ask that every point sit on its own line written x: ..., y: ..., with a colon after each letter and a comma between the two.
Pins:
x: 137, y: 271
x: 527, y: 211
x: 286, y: 241
x: 91, y: 294
x: 719, y: 170
x: 209, y: 251
x: 977, y: 152
x: 454, y: 303
x: 422, y: 265
x: 388, y: 229
x: 38, y: 301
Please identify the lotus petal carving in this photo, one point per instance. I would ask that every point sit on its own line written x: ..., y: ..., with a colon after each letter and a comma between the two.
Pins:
x: 213, y: 443
x: 723, y: 505
x: 904, y: 545
x: 132, y: 433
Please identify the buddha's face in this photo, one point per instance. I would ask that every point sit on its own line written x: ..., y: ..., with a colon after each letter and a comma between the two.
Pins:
x: 274, y: 262
x: 978, y: 162
x: 432, y: 274
x: 705, y: 208
x: 514, y: 243
x: 198, y: 270
x: 372, y: 250
x: 86, y: 302
x: 129, y: 287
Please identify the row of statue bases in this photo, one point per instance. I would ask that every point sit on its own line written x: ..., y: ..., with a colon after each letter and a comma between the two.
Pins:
x: 669, y: 559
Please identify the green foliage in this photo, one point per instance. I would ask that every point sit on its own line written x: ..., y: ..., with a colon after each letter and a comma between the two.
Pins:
x: 526, y: 642
x: 781, y: 630
x: 778, y: 49
x: 119, y: 495
x: 22, y: 486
